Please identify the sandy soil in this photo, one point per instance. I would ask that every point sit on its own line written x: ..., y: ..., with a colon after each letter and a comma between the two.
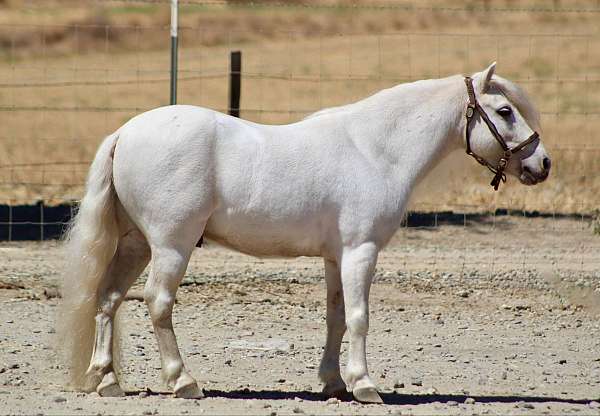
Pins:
x: 497, y: 317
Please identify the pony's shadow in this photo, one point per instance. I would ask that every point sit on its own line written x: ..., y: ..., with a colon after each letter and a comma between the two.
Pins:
x: 388, y: 398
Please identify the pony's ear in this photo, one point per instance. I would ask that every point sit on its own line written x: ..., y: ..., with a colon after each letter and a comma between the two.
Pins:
x: 485, y: 76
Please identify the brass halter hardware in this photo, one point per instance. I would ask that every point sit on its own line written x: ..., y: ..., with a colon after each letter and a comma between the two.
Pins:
x: 498, y: 170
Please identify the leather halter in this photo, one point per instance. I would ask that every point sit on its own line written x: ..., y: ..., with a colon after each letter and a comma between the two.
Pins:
x: 498, y: 170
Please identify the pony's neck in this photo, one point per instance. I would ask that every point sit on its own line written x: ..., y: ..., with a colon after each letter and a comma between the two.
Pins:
x: 409, y: 128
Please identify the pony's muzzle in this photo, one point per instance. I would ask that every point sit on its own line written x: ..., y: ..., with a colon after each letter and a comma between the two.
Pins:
x: 535, y: 169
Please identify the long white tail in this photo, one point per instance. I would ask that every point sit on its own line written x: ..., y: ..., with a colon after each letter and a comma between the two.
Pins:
x: 90, y: 245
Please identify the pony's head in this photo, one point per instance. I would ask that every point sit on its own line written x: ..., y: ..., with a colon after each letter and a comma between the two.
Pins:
x: 515, y: 119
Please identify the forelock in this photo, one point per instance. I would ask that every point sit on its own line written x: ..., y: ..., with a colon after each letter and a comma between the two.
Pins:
x: 517, y: 96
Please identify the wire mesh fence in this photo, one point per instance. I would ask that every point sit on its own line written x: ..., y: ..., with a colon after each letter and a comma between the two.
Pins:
x: 66, y: 86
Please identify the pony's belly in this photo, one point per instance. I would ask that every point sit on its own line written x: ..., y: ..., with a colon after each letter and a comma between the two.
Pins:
x: 264, y: 238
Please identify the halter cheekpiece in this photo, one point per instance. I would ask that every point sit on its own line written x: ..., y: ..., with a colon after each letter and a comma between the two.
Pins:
x: 498, y: 170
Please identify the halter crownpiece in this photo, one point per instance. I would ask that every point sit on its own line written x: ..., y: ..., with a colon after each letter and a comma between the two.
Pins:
x: 498, y: 170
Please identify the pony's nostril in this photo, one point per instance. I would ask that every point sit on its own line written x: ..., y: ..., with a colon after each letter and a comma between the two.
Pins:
x: 526, y: 169
x: 546, y: 163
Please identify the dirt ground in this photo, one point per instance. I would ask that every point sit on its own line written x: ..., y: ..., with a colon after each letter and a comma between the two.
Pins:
x: 496, y: 317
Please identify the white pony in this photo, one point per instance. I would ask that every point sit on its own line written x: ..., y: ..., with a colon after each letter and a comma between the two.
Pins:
x: 334, y: 185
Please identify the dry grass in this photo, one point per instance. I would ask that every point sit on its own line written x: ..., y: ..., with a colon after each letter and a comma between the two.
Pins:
x: 295, y: 61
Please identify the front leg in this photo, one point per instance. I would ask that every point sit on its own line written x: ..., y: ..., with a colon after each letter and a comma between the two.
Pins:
x: 329, y: 371
x: 358, y: 266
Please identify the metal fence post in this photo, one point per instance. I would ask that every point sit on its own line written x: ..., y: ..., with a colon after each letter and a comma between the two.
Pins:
x: 235, y: 82
x: 173, y: 52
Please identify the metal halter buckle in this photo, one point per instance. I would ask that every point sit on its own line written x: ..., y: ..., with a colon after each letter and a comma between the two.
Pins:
x: 470, y: 111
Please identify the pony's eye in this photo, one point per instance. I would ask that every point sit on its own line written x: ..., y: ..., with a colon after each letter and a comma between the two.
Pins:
x: 505, y: 111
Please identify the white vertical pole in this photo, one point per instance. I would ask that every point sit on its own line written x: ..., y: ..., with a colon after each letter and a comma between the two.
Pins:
x: 173, y: 52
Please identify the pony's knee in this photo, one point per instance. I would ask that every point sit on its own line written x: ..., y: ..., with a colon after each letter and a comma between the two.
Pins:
x: 357, y: 322
x: 160, y: 303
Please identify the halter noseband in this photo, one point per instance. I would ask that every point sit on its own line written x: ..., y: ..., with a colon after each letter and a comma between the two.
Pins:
x: 498, y: 171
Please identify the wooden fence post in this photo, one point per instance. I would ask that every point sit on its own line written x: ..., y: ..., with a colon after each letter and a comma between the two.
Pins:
x: 235, y: 82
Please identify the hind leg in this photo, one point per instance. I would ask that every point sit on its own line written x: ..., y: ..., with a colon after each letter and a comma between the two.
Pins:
x: 169, y: 262
x: 132, y: 256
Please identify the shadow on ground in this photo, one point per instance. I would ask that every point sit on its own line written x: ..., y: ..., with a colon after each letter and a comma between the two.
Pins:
x: 388, y: 398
